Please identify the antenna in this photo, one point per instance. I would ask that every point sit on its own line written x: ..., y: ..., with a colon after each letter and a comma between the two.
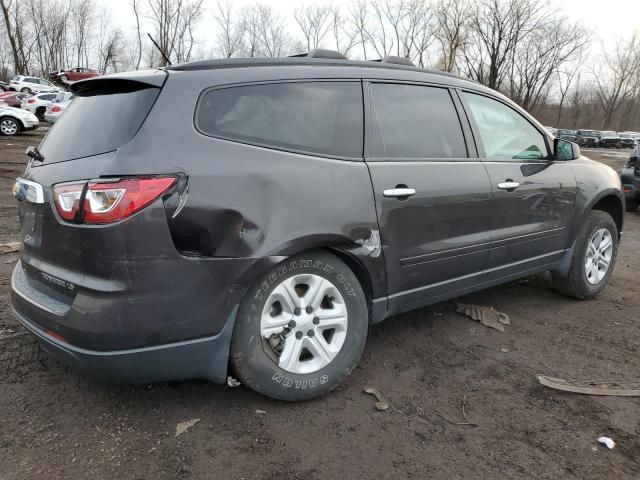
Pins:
x: 159, y: 49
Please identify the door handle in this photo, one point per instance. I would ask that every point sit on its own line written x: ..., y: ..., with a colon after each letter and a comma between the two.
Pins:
x: 399, y: 192
x: 509, y: 185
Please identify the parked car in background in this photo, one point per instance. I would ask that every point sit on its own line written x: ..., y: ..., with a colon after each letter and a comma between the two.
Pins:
x: 630, y: 177
x: 552, y: 130
x: 4, y: 86
x: 609, y: 139
x: 568, y: 135
x: 13, y: 99
x: 21, y: 83
x: 242, y: 218
x: 37, y: 104
x: 627, y: 140
x: 55, y: 109
x: 15, y: 120
x: 587, y: 138
x: 73, y: 74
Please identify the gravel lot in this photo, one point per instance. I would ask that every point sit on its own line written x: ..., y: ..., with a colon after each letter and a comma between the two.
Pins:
x: 55, y: 423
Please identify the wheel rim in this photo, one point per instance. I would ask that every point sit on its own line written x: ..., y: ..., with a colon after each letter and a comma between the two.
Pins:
x: 304, y: 323
x: 598, y: 258
x: 8, y: 127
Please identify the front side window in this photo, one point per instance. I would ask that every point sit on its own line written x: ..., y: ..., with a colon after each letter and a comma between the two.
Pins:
x: 415, y: 122
x: 323, y: 118
x: 505, y: 134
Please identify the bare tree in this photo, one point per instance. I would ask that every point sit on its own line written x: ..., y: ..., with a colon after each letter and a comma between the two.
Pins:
x: 452, y: 31
x: 14, y: 21
x: 314, y: 22
x: 174, y: 22
x: 82, y: 22
x: 344, y: 38
x: 232, y: 30
x: 496, y: 28
x: 266, y: 33
x: 135, y: 4
x: 618, y: 80
x: 539, y: 55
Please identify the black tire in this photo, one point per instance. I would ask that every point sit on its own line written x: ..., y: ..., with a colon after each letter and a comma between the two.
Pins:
x: 16, y: 123
x: 64, y: 78
x: 40, y: 111
x: 574, y: 283
x: 254, y: 362
x: 631, y: 205
x: 26, y: 90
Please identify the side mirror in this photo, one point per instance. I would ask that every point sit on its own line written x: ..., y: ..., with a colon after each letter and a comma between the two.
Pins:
x: 565, y: 150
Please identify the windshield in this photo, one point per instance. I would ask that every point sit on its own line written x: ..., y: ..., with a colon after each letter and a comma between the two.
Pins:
x: 609, y: 134
x: 566, y: 132
x: 587, y: 133
x: 97, y: 124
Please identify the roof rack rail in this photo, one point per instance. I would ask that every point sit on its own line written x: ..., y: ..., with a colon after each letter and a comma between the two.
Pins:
x: 321, y: 53
x: 396, y: 60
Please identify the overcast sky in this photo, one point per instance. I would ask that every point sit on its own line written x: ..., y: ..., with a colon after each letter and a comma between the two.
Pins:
x: 608, y: 19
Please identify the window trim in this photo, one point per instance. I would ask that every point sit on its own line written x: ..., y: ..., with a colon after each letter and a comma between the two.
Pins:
x: 275, y: 147
x: 478, y: 138
x: 372, y: 124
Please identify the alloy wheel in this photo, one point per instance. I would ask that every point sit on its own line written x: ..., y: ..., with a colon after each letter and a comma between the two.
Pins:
x: 599, y: 254
x: 8, y: 126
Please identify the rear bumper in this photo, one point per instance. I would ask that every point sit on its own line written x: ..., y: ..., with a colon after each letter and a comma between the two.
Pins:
x: 204, y: 358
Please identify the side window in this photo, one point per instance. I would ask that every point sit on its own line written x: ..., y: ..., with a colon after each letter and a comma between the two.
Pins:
x: 30, y: 80
x: 322, y: 118
x: 505, y: 134
x: 415, y: 122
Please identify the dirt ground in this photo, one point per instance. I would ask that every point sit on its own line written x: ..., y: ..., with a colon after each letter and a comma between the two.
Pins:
x: 55, y: 423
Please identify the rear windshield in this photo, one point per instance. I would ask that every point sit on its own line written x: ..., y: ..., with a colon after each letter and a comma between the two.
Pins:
x: 97, y: 124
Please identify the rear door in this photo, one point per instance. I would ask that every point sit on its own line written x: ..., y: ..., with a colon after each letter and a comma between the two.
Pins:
x: 432, y: 193
x: 533, y: 196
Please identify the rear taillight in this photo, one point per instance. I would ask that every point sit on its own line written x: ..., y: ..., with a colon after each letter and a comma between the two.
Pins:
x: 67, y: 199
x: 31, y: 100
x: 55, y: 108
x: 109, y: 201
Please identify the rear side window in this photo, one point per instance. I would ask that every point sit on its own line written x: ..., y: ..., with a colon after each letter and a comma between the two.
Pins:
x: 97, y: 124
x: 415, y: 122
x: 323, y: 118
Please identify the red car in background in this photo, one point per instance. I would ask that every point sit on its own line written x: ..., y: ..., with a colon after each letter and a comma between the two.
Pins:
x: 13, y: 99
x: 74, y: 74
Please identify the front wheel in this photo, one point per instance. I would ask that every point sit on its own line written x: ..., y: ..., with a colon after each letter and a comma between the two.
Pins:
x: 593, y: 260
x: 301, y: 329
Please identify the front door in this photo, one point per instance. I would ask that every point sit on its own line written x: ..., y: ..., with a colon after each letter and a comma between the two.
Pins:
x: 432, y: 196
x: 533, y: 195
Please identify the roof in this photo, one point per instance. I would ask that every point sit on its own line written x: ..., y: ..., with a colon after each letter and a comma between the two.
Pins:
x: 225, y: 63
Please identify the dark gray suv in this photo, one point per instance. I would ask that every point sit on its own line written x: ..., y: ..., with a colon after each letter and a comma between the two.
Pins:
x: 259, y: 215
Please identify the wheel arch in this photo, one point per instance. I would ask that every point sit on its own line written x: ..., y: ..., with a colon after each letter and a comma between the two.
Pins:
x: 613, y: 204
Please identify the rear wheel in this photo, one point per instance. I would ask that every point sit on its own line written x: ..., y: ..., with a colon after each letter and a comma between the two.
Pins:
x: 26, y: 90
x: 301, y: 329
x: 64, y: 78
x: 9, y: 126
x: 593, y: 259
x: 631, y: 205
x: 40, y: 111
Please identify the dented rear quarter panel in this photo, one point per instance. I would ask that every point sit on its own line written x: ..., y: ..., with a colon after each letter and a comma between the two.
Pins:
x: 247, y: 201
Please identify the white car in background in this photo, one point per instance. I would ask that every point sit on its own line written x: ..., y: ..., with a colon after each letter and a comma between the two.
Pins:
x: 21, y: 83
x: 15, y: 120
x: 38, y: 103
x: 55, y: 108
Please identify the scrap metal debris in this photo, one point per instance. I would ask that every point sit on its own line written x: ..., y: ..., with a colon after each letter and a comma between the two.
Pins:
x: 382, y: 404
x: 631, y: 389
x: 184, y: 426
x: 9, y: 247
x: 487, y: 316
x: 607, y: 441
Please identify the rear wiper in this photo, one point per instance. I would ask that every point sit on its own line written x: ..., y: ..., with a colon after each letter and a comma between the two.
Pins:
x: 34, y: 153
